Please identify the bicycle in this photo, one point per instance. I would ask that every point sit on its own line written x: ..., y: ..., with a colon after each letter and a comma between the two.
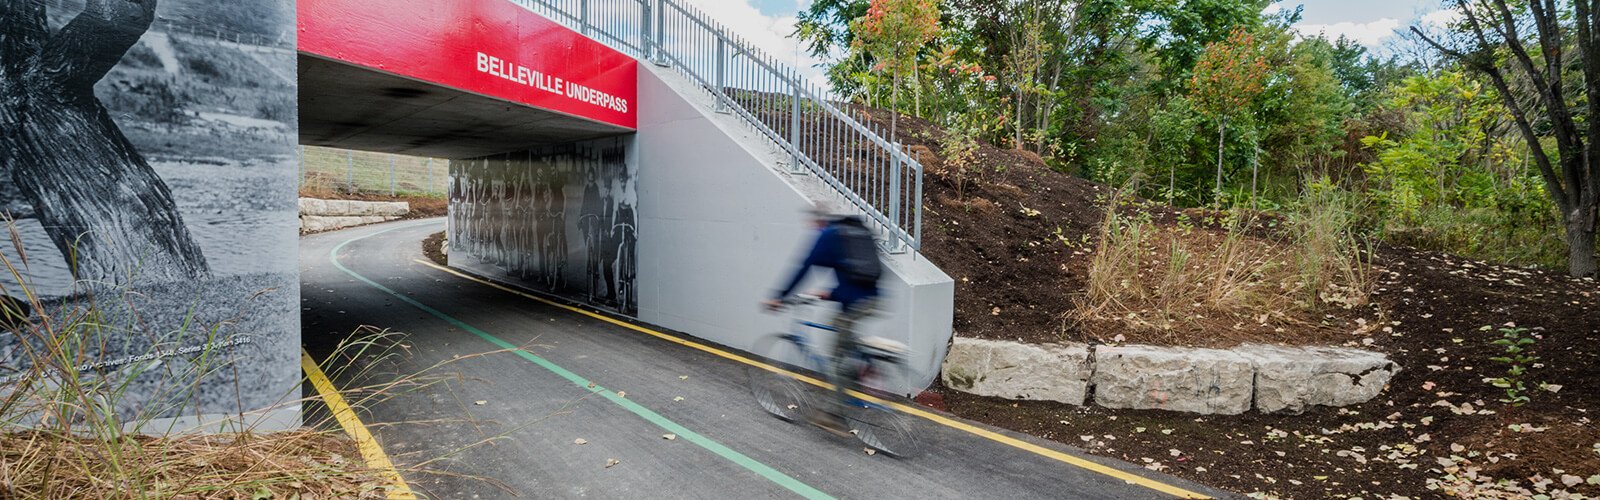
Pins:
x: 789, y: 385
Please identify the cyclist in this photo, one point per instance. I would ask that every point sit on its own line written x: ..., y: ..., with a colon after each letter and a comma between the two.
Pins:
x: 845, y: 245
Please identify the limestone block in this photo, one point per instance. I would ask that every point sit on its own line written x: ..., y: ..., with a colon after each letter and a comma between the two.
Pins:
x: 312, y: 224
x: 313, y: 206
x: 1054, y: 372
x: 390, y: 208
x: 334, y: 208
x: 1210, y: 381
x: 1291, y: 379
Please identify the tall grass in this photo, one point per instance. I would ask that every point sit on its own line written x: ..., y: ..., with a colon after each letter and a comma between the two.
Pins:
x: 1203, y: 266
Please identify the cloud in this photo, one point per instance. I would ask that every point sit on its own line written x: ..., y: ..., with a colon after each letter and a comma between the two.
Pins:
x: 1441, y: 18
x: 768, y: 33
x: 1369, y: 34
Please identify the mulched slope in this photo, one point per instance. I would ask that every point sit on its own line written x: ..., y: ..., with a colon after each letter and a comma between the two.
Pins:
x: 1018, y: 273
x: 1018, y: 244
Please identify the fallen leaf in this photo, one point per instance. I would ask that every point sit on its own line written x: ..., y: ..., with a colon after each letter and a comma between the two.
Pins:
x: 1427, y: 386
x: 591, y: 385
x: 1571, y: 480
x: 669, y: 437
x: 679, y: 398
x: 480, y: 402
x: 683, y: 377
x: 580, y: 441
x: 621, y: 394
x: 612, y: 461
x: 869, y: 451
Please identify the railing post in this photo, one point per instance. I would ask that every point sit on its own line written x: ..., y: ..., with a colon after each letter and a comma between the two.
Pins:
x: 645, y: 44
x: 661, y: 32
x: 898, y: 246
x: 916, y: 207
x: 722, y: 65
x: 583, y: 16
x: 350, y: 170
x: 391, y: 175
x: 794, y: 132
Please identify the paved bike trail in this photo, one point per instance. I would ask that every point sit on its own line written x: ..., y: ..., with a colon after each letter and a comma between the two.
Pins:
x: 494, y: 424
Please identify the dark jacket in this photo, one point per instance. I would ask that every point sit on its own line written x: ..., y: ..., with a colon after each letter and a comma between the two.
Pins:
x: 830, y: 252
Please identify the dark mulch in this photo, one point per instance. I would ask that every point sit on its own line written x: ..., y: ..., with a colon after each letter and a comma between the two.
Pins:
x: 433, y: 247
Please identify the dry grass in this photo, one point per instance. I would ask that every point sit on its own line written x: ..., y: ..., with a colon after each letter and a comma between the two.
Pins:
x: 1223, y: 275
x: 307, y: 464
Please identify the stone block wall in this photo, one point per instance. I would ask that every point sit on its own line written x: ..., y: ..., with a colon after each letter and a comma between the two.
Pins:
x: 1270, y: 379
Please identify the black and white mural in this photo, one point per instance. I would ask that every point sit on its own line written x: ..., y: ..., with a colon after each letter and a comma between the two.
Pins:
x: 560, y: 220
x: 149, y: 155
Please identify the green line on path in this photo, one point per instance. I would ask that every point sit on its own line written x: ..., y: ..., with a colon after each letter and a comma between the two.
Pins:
x: 800, y: 488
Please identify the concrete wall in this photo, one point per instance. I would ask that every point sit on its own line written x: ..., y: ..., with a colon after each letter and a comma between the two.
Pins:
x: 721, y: 224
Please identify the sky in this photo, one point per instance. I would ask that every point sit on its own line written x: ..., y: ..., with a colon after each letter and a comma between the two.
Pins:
x: 767, y: 23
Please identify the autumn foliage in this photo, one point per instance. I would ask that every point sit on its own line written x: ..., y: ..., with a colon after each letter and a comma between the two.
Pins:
x: 1229, y: 74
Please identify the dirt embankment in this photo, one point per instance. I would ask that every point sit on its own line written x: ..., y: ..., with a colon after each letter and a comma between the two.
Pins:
x: 1018, y: 238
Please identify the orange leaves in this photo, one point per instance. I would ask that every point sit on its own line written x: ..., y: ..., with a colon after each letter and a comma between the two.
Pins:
x: 1230, y: 74
x: 892, y: 30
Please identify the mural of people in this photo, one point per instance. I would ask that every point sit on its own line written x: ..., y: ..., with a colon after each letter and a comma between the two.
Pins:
x: 591, y: 224
x: 584, y: 189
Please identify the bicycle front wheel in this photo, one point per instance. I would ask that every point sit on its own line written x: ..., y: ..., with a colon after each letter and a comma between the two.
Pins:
x: 779, y: 393
x: 885, y: 429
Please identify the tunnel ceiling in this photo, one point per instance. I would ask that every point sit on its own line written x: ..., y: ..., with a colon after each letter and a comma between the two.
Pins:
x: 351, y: 107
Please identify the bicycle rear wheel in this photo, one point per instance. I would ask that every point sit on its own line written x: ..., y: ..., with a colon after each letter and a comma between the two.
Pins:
x: 885, y: 430
x: 779, y: 393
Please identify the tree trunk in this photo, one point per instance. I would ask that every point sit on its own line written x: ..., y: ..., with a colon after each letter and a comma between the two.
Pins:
x: 1581, y: 241
x: 102, y: 204
x: 1222, y: 130
x: 1255, y: 174
x: 894, y: 106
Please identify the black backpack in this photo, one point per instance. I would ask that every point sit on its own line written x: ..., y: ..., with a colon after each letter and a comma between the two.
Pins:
x: 860, y: 266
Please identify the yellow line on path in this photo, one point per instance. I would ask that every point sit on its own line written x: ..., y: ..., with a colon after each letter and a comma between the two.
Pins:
x: 370, y: 450
x: 991, y: 435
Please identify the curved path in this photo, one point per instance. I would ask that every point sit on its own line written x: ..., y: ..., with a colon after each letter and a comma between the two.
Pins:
x: 514, y: 418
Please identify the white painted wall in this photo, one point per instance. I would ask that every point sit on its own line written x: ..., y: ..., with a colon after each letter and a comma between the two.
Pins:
x: 722, y: 224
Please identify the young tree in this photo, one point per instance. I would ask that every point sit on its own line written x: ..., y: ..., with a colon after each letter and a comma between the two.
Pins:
x: 1494, y: 46
x: 893, y: 31
x: 1226, y: 79
x: 100, y: 201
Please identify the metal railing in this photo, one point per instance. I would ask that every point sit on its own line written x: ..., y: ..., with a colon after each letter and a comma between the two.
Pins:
x: 821, y: 136
x: 330, y: 169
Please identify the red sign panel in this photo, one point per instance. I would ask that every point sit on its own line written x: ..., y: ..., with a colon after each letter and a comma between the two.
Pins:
x: 490, y: 47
